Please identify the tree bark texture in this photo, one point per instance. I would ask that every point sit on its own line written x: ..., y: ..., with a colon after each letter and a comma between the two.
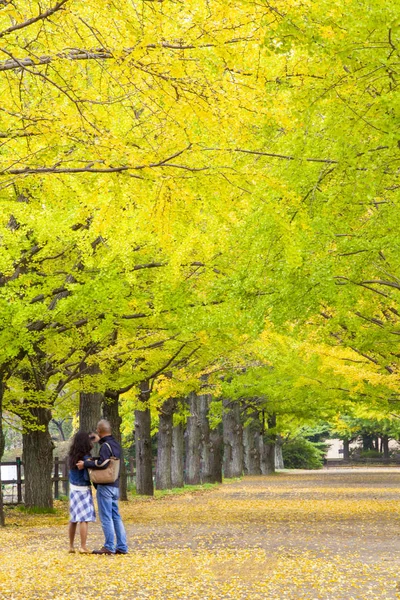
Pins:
x: 144, y: 458
x: 267, y: 450
x: 217, y: 448
x: 268, y: 447
x: 111, y: 413
x: 278, y: 453
x: 144, y: 475
x: 205, y: 452
x: 38, y: 461
x: 177, y: 451
x: 251, y: 445
x: 193, y: 441
x: 90, y: 404
x: 346, y: 449
x: 233, y: 440
x: 385, y: 446
x: 164, y: 445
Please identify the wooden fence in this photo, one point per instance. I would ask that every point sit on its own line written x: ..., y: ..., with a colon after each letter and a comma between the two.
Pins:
x: 362, y: 461
x: 60, y: 478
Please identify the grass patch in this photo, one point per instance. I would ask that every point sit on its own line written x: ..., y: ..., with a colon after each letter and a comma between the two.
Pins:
x: 184, y: 490
x: 36, y: 510
x: 188, y: 489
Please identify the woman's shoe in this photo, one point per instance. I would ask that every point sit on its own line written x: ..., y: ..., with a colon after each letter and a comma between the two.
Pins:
x: 71, y: 551
x: 84, y: 551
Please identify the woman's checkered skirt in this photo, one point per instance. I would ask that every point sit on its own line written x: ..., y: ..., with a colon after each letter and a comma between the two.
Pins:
x: 81, y: 507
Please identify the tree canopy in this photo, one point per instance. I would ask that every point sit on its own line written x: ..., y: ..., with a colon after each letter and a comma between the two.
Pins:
x: 200, y: 189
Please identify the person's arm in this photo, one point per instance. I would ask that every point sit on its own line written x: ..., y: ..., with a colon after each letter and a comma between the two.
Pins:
x: 102, y: 461
x: 88, y: 462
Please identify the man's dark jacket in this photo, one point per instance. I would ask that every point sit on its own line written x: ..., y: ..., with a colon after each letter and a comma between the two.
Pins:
x: 105, y: 454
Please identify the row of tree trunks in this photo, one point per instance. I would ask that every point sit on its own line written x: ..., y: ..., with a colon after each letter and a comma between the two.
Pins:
x: 240, y: 451
x: 203, y: 446
x: 368, y: 444
x: 193, y: 456
x: 262, y: 451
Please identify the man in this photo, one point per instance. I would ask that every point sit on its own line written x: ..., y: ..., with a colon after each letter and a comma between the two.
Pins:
x: 108, y: 494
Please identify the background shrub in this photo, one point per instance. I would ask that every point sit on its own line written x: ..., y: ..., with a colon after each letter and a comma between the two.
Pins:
x: 302, y: 454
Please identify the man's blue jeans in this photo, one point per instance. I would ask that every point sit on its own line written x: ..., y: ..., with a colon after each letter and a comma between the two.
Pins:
x: 111, y: 522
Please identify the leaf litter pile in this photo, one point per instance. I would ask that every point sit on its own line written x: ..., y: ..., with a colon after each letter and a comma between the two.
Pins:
x: 299, y: 535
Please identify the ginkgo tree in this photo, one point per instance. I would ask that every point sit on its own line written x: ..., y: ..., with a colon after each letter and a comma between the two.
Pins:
x: 173, y: 174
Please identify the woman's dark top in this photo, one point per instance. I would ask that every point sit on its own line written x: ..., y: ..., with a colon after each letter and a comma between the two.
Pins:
x: 77, y: 477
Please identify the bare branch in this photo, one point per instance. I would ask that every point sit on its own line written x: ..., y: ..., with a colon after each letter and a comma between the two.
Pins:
x: 40, y: 17
x: 286, y: 157
x: 98, y: 53
x: 165, y: 162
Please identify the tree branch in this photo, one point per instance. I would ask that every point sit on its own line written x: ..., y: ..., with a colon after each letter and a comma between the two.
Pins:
x: 29, y: 22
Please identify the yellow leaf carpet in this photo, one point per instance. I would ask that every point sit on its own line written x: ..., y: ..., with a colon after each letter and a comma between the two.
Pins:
x: 296, y: 535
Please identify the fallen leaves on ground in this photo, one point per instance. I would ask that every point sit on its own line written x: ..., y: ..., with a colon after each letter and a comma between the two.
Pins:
x: 297, y: 536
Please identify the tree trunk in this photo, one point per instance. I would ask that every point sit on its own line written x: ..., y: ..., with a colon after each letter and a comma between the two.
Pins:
x: 278, y: 453
x: 233, y: 446
x: 2, y: 444
x: 205, y: 462
x: 38, y: 461
x: 143, y: 450
x: 268, y: 447
x: 251, y: 444
x: 346, y: 449
x: 217, y: 447
x: 368, y: 442
x: 177, y: 456
x: 193, y: 440
x: 385, y: 444
x: 144, y: 474
x: 111, y: 413
x: 267, y: 458
x: 164, y: 446
x: 90, y: 403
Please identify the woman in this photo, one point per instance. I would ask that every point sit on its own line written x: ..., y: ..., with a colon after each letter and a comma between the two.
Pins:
x: 81, y: 507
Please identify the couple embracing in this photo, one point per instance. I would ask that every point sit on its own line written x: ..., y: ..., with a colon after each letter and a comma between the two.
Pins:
x: 81, y: 505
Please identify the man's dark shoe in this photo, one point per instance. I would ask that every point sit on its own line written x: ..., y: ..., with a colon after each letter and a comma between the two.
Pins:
x: 102, y: 551
x: 120, y: 552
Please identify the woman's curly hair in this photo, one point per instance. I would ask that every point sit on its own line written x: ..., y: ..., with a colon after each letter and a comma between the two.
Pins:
x: 80, y: 447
